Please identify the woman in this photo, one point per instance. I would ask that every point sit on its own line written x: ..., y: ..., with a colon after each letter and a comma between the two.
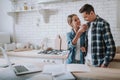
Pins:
x: 75, y: 40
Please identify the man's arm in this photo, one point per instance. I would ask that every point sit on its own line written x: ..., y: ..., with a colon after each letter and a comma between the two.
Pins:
x: 110, y: 45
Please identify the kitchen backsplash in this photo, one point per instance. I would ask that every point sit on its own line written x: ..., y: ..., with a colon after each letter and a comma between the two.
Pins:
x: 51, y: 20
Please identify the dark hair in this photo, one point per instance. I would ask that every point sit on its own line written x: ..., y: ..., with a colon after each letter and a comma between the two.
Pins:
x: 69, y: 18
x: 86, y: 8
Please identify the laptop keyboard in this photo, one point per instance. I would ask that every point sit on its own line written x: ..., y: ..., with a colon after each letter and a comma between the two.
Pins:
x: 20, y: 68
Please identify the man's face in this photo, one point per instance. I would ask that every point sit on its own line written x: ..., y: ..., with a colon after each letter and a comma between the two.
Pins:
x: 87, y: 17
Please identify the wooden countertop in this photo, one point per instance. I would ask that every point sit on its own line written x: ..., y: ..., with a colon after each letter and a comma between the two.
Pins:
x: 99, y: 74
x: 34, y: 54
x: 95, y: 73
x: 117, y: 57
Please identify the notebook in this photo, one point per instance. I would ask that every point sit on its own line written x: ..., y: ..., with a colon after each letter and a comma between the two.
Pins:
x: 22, y: 68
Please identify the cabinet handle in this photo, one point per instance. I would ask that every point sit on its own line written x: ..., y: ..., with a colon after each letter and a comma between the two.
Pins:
x: 48, y: 61
x: 53, y: 61
x: 44, y: 61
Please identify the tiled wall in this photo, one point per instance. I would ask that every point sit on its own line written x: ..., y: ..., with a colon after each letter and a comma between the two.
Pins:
x: 31, y: 27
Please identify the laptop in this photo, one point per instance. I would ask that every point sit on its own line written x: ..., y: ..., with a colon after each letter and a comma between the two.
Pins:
x: 21, y: 68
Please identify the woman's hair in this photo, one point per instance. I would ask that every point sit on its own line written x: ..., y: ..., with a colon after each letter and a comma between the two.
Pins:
x: 86, y: 8
x: 69, y: 18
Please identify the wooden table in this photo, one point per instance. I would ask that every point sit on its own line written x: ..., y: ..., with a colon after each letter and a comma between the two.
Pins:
x: 99, y: 74
x: 94, y: 74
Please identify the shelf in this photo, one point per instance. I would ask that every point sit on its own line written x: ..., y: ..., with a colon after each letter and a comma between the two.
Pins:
x: 17, y: 11
x: 43, y: 12
x: 40, y: 10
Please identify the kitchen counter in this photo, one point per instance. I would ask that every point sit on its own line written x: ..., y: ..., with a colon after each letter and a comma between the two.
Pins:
x: 117, y: 57
x: 38, y: 57
x: 34, y: 54
x: 99, y: 74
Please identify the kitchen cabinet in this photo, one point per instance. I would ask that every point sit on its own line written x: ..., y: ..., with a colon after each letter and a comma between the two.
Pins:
x: 41, y: 60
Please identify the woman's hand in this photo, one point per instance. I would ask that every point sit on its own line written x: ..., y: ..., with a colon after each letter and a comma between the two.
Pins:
x: 84, y: 27
x: 83, y: 49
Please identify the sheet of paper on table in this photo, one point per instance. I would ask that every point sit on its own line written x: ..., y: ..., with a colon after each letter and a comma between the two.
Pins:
x: 78, y: 68
x: 54, y: 69
x: 59, y: 72
x: 41, y: 77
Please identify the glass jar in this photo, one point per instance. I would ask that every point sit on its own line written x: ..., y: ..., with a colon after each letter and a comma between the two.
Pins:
x: 25, y: 6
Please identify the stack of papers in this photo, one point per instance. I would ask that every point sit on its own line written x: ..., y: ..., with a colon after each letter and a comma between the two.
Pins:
x: 60, y: 72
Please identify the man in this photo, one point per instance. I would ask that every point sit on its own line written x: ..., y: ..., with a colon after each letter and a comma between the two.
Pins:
x: 100, y: 44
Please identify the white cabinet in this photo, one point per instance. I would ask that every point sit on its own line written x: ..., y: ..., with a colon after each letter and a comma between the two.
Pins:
x: 38, y: 60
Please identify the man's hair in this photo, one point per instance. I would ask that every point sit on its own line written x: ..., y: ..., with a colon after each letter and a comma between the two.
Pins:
x: 86, y: 8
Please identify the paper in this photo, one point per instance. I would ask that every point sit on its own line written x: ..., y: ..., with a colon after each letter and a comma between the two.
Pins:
x: 66, y: 76
x: 54, y: 69
x: 78, y: 68
x: 58, y: 71
x: 58, y: 43
x: 64, y: 42
x: 3, y: 63
x: 42, y: 77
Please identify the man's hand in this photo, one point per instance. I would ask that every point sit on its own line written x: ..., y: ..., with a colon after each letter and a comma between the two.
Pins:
x: 103, y: 66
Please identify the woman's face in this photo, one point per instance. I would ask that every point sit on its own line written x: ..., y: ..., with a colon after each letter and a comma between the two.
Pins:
x: 75, y: 22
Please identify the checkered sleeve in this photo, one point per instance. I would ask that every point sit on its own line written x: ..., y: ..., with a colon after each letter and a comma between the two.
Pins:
x: 110, y: 44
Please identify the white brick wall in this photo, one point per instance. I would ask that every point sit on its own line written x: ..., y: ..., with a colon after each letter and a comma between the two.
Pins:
x: 31, y: 27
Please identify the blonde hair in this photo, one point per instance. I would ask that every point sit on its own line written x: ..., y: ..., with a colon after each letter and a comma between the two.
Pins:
x: 69, y: 19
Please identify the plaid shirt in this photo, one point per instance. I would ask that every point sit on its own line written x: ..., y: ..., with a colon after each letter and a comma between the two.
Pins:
x: 102, y: 43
